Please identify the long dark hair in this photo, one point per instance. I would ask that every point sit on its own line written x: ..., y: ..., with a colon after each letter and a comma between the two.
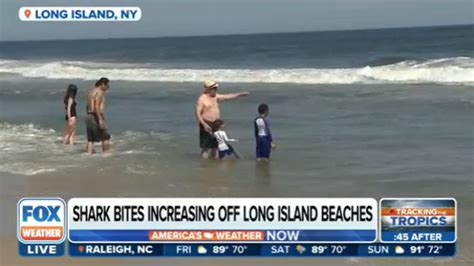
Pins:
x: 70, y: 93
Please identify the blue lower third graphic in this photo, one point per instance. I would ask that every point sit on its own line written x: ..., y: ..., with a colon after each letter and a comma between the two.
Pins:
x: 41, y: 250
x: 115, y: 250
x: 261, y: 250
x: 270, y: 235
x: 419, y: 236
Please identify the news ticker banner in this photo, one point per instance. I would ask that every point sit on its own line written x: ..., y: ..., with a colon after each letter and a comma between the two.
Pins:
x: 108, y: 227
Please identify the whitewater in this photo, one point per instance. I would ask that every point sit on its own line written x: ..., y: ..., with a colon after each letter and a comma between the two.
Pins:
x: 456, y: 70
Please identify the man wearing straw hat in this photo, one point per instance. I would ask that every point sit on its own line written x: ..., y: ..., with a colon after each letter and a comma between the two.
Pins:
x: 207, y: 111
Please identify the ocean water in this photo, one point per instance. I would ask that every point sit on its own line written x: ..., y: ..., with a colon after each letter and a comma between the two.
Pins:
x: 400, y: 56
x: 395, y: 103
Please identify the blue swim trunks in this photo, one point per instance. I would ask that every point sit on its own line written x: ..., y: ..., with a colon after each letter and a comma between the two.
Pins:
x: 263, y: 147
x: 225, y: 153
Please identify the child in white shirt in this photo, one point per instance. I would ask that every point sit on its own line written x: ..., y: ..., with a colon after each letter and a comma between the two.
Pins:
x: 225, y: 149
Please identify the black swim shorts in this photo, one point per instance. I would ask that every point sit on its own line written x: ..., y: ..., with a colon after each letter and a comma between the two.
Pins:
x: 206, y: 139
x: 94, y: 132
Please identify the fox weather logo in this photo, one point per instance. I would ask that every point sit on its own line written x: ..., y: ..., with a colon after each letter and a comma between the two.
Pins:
x: 41, y: 220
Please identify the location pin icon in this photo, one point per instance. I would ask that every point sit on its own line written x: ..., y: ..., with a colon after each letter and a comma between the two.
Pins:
x: 27, y: 13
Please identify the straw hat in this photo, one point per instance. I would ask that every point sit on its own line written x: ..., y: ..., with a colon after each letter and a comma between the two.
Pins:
x: 210, y: 84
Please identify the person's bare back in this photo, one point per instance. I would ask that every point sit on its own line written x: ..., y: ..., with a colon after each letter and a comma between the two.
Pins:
x: 96, y: 131
x: 95, y: 97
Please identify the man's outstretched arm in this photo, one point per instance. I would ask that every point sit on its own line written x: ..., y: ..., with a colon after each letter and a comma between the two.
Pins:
x: 230, y: 96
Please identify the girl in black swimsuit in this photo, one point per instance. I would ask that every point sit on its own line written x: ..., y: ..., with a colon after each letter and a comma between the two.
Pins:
x: 70, y: 107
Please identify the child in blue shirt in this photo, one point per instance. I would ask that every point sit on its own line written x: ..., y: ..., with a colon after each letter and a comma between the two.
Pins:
x: 263, y: 136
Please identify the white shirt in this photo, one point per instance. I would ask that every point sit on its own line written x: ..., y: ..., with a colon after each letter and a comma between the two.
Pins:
x: 222, y: 140
x: 261, y: 127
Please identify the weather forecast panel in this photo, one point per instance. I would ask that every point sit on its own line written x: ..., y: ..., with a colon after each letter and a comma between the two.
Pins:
x: 418, y: 220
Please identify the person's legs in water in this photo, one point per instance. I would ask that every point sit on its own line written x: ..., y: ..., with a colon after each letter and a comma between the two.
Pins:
x: 202, y: 143
x: 105, y: 139
x: 66, y: 133
x: 214, y: 154
x: 105, y: 146
x: 210, y: 154
x: 72, y: 130
x: 205, y: 153
x: 73, y: 135
x: 92, y: 132
x: 90, y: 147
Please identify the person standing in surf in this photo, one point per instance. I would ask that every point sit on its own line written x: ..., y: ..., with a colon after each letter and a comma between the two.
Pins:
x: 95, y: 122
x: 207, y: 111
x: 263, y: 136
x: 71, y: 115
x: 223, y: 145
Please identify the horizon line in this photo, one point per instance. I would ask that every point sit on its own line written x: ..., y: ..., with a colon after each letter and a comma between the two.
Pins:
x: 239, y: 34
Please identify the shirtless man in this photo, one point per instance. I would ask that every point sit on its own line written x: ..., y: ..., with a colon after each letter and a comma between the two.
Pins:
x: 96, y: 131
x: 207, y: 111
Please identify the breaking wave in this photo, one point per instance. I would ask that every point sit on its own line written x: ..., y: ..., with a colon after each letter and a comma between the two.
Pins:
x: 457, y: 70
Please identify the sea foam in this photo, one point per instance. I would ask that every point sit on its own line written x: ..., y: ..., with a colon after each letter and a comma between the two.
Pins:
x: 457, y: 70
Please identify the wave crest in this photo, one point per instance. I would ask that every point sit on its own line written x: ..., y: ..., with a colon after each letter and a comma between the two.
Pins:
x: 457, y: 70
